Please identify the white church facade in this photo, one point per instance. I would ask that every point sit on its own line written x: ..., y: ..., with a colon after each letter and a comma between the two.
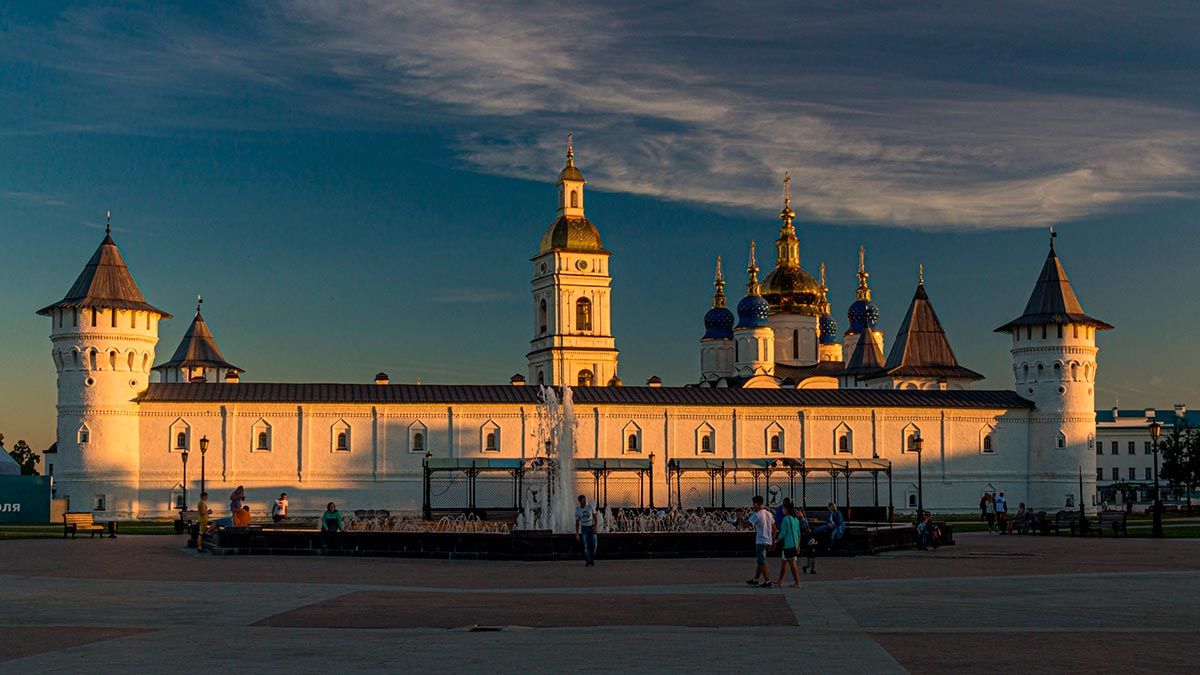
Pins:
x: 775, y: 381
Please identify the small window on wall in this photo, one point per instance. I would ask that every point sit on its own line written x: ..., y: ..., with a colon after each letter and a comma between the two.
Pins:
x: 706, y: 441
x: 83, y: 435
x: 1099, y: 473
x: 1148, y: 475
x: 542, y: 317
x: 843, y: 439
x: 631, y: 443
x: 340, y: 435
x: 583, y: 314
x: 100, y: 503
x: 490, y: 436
x: 775, y: 447
x: 181, y: 440
x: 261, y: 438
x: 1062, y: 441
x: 987, y: 443
x: 418, y: 438
x: 912, y: 499
x: 774, y: 438
x: 1132, y: 448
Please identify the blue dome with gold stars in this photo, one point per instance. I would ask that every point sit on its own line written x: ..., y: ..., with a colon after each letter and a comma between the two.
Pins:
x: 753, y: 312
x: 862, y: 313
x: 828, y: 330
x: 718, y: 324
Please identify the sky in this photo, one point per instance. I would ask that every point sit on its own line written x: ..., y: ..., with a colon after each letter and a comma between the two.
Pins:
x: 356, y: 187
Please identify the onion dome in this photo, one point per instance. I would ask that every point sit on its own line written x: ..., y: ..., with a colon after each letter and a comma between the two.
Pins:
x: 754, y: 310
x: 616, y: 381
x: 862, y: 313
x: 788, y: 288
x: 828, y: 330
x: 718, y: 321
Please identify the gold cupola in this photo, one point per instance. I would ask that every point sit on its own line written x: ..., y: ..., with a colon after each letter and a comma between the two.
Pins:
x: 788, y: 288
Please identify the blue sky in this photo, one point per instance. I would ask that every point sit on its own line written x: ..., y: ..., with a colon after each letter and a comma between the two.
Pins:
x: 359, y: 188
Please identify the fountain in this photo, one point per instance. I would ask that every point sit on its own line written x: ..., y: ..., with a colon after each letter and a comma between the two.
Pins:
x: 549, y: 497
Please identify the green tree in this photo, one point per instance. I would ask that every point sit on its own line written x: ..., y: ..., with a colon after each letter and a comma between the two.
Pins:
x: 26, y: 457
x: 1181, y: 458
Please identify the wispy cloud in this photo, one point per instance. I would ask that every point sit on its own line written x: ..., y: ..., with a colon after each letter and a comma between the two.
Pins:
x: 887, y: 115
x: 31, y: 197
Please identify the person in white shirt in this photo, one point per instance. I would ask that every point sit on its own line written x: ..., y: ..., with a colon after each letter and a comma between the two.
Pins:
x: 585, y: 530
x: 764, y: 536
x: 280, y: 508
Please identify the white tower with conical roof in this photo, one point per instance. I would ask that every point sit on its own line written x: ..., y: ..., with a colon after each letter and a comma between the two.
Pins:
x: 1054, y: 365
x: 572, y: 340
x: 103, y: 335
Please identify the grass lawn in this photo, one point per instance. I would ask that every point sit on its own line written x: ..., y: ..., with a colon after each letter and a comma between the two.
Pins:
x: 49, y: 531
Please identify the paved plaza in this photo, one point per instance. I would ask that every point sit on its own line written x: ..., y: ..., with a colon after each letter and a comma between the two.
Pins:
x: 996, y: 604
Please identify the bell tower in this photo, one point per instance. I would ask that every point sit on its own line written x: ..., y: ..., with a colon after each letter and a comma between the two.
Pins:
x: 572, y: 341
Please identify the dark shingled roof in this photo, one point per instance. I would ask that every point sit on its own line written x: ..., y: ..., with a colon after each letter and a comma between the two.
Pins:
x: 921, y: 348
x: 798, y: 374
x: 198, y: 348
x: 105, y: 282
x: 1052, y: 301
x: 867, y: 358
x: 456, y: 394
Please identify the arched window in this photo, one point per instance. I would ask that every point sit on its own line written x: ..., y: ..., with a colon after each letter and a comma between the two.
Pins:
x: 341, y: 441
x: 574, y: 199
x: 1074, y: 371
x: 84, y: 435
x: 987, y: 443
x: 583, y: 314
x: 1062, y: 441
x: 263, y: 443
x: 585, y: 378
x: 542, y: 323
x: 795, y: 344
x: 181, y: 440
x: 775, y: 443
x: 631, y: 444
x: 112, y: 360
x: 418, y: 442
x: 1057, y: 370
x: 843, y: 443
x: 491, y: 441
x: 1039, y: 371
x: 75, y: 358
x: 95, y: 365
x: 132, y: 363
x: 1024, y: 372
x: 706, y: 444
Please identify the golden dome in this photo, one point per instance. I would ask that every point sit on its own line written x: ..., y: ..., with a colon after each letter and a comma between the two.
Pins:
x: 791, y: 290
x: 571, y: 234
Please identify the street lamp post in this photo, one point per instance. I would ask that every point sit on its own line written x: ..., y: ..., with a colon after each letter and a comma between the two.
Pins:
x: 203, y: 452
x: 184, y: 456
x: 917, y: 445
x: 1156, y: 529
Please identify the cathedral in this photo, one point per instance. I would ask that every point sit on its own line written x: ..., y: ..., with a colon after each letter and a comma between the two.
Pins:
x: 775, y: 381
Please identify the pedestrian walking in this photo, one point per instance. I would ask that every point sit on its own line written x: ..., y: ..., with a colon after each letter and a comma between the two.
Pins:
x: 1001, y: 505
x: 983, y: 507
x: 989, y: 512
x: 279, y: 509
x: 202, y: 521
x: 789, y: 541
x: 763, y: 523
x: 808, y: 544
x: 585, y: 530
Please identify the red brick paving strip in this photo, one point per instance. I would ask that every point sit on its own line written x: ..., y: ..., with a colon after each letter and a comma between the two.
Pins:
x: 396, y: 609
x: 1057, y: 652
x: 20, y: 641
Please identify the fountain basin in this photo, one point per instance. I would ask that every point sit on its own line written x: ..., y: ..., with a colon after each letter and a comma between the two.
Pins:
x: 533, y: 545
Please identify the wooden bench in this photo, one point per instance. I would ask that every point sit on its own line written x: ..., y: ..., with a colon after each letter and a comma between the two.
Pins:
x: 1114, y: 520
x: 75, y: 522
x: 1065, y: 519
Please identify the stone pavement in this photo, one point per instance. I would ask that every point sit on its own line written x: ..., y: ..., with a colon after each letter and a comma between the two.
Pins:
x: 1032, y: 604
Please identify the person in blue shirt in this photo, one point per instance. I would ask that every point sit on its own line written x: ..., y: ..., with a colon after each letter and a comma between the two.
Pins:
x: 835, y: 525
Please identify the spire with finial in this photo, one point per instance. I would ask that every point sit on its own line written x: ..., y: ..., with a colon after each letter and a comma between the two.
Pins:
x: 863, y: 292
x: 1053, y: 234
x: 921, y: 274
x: 108, y: 222
x: 752, y: 287
x: 199, y: 301
x: 719, y: 285
x: 823, y: 286
x: 787, y: 246
x: 570, y: 149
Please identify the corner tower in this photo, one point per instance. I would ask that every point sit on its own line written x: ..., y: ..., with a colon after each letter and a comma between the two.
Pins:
x: 103, y: 335
x: 198, y: 359
x: 572, y: 333
x: 1054, y: 365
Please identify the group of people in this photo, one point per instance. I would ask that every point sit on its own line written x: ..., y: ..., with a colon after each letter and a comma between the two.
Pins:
x: 789, y: 530
x: 993, y: 509
x: 331, y: 521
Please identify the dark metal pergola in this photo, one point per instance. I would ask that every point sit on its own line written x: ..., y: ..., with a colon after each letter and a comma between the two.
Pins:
x: 784, y: 470
x: 470, y: 469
